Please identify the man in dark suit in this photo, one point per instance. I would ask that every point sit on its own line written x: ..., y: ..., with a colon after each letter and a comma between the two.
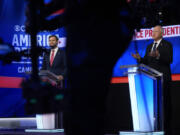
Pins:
x: 55, y: 59
x: 159, y: 55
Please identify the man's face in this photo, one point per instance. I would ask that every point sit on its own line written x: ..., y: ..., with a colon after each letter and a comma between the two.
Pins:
x: 53, y: 42
x: 156, y: 33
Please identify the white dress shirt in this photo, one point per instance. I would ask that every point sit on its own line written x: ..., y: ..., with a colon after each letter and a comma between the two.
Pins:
x: 55, y: 51
x: 158, y: 42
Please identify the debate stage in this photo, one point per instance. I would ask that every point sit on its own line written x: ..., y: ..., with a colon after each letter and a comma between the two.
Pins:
x: 27, y: 126
x: 118, y: 116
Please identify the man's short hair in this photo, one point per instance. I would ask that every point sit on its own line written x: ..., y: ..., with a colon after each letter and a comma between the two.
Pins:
x: 54, y: 36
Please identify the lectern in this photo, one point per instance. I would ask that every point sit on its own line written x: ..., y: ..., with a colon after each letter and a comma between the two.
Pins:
x: 51, y: 78
x: 51, y: 122
x: 146, y: 97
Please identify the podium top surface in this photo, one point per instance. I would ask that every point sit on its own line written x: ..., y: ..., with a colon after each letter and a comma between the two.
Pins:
x: 48, y: 74
x: 141, y: 68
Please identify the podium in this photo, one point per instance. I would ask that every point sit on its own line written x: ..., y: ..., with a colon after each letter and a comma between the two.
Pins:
x: 50, y: 77
x: 146, y: 97
x: 49, y: 122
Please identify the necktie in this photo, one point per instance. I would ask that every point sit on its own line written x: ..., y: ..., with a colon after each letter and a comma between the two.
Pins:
x: 52, y: 58
x: 154, y: 47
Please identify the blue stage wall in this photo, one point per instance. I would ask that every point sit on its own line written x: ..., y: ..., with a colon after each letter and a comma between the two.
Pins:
x: 12, y: 31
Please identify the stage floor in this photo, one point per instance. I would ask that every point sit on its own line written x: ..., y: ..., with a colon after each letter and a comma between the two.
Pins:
x: 22, y: 126
x: 22, y: 132
x: 17, y: 126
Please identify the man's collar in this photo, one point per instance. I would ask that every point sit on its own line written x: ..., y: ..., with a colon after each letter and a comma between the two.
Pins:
x: 55, y: 49
x: 158, y: 41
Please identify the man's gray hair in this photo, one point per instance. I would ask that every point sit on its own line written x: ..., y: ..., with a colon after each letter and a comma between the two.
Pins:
x: 162, y: 30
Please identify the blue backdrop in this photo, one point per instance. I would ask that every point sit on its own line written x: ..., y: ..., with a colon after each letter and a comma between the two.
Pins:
x: 12, y: 31
x: 127, y: 59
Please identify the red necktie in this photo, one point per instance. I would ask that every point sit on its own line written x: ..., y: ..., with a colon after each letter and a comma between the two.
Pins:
x: 52, y: 58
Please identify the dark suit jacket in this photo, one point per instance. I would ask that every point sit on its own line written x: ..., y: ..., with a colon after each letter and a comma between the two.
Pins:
x: 162, y: 64
x: 59, y: 66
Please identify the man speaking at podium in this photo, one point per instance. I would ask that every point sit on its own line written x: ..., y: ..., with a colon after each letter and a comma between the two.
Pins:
x: 159, y: 55
x: 55, y: 60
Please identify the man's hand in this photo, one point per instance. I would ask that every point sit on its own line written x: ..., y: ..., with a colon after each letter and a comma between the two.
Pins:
x: 154, y: 54
x: 60, y: 77
x: 136, y: 56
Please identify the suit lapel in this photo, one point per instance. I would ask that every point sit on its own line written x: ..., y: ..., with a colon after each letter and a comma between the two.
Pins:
x: 56, y: 57
x: 160, y: 45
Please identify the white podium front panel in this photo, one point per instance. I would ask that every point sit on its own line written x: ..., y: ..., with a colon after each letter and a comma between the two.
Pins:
x: 141, y: 89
